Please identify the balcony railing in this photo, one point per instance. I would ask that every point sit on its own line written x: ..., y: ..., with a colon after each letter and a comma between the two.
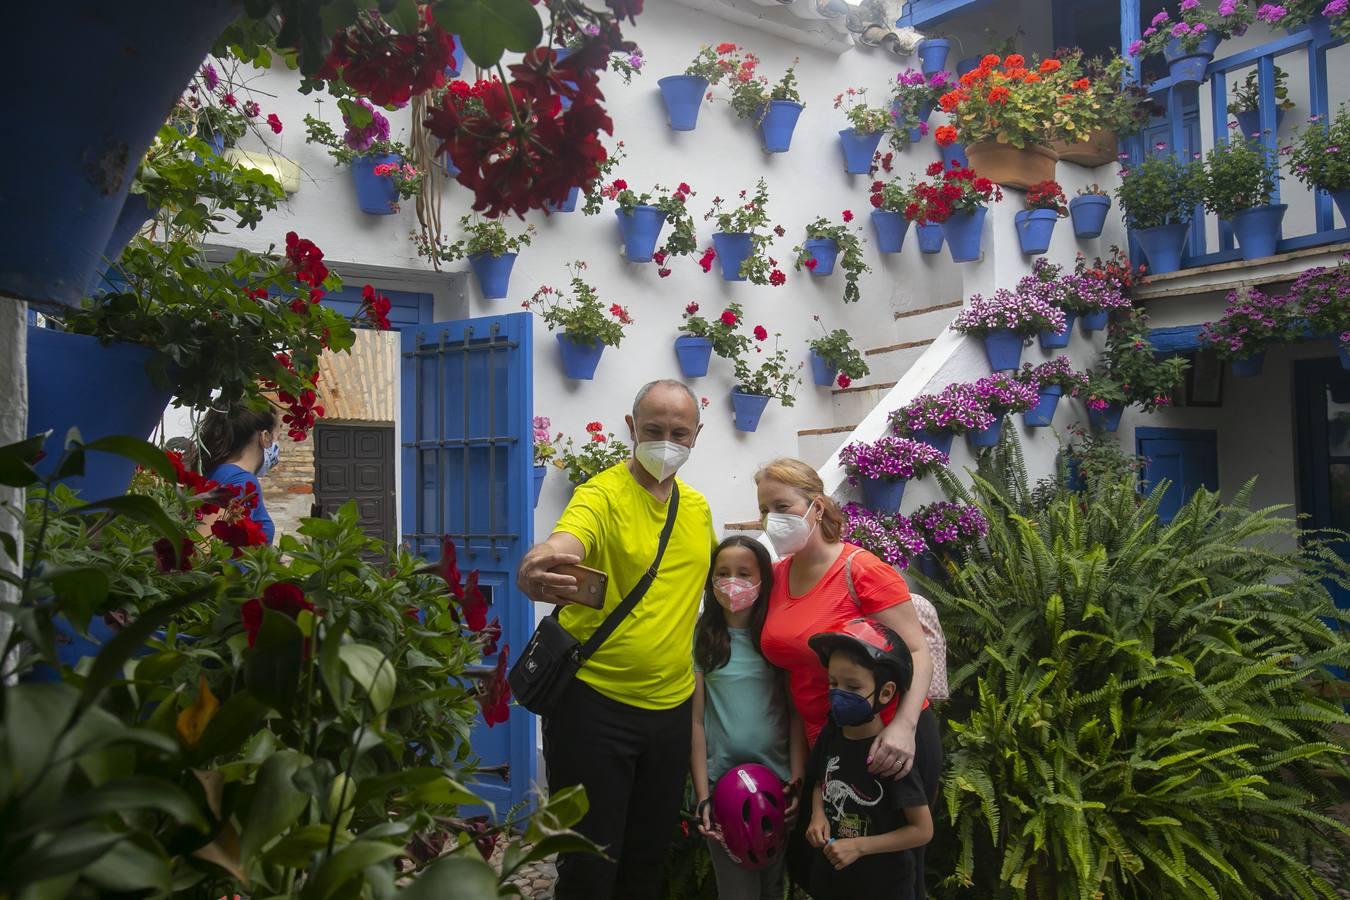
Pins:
x: 1181, y: 132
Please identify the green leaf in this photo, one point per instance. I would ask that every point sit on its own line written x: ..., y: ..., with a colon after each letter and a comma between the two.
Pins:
x: 137, y: 792
x: 114, y: 655
x: 356, y: 115
x: 373, y: 671
x: 458, y: 877
x: 272, y: 667
x: 377, y: 786
x: 487, y: 28
x: 570, y: 842
x: 142, y: 453
x: 79, y: 593
x: 237, y: 719
x: 68, y: 851
x: 15, y: 471
x: 321, y: 529
x: 296, y: 849
x: 130, y: 867
x: 139, y: 508
x: 346, y: 864
x: 330, y: 666
x: 275, y: 805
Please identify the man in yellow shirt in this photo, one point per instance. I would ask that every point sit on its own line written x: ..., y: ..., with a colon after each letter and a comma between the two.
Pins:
x: 622, y: 729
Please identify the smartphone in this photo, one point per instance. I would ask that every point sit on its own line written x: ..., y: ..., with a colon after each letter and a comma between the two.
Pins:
x: 591, y: 584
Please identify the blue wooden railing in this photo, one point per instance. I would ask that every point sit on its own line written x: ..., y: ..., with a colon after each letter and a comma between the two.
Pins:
x: 1181, y: 135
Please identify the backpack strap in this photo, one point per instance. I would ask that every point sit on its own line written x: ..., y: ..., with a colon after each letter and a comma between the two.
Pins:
x: 848, y: 578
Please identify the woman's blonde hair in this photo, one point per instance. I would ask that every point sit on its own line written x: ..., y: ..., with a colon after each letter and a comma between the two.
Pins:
x: 804, y: 480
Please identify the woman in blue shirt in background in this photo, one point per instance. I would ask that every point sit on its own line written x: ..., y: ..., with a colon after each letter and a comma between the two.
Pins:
x: 238, y: 448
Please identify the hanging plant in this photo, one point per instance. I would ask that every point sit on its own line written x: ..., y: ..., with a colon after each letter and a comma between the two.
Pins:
x: 838, y: 355
x: 745, y: 247
x: 365, y: 146
x: 581, y: 315
x: 1253, y: 321
x: 951, y: 529
x: 1195, y: 25
x: 643, y: 214
x: 954, y: 410
x: 483, y: 237
x: 826, y: 242
x: 890, y: 458
x: 915, y: 96
x: 1022, y: 313
x: 1129, y: 361
x: 1057, y: 372
x: 889, y: 536
x: 722, y: 333
x: 598, y: 452
x: 773, y: 377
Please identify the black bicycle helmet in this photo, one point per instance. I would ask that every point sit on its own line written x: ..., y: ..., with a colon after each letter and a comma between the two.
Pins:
x: 891, y: 660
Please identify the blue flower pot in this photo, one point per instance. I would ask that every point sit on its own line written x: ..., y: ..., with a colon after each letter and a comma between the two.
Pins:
x: 447, y: 165
x: 962, y: 232
x: 822, y: 372
x: 1258, y: 230
x: 984, y: 438
x: 777, y: 124
x: 1073, y: 478
x: 1342, y: 200
x: 457, y: 59
x: 375, y: 194
x: 570, y: 204
x: 953, y: 156
x: 94, y: 130
x: 930, y: 237
x: 1249, y: 366
x: 1003, y: 349
x: 1249, y: 122
x: 1343, y: 354
x: 890, y: 228
x: 733, y: 248
x: 859, y: 148
x: 939, y: 440
x: 1035, y: 227
x: 76, y: 381
x: 1189, y: 68
x: 882, y: 496
x: 1106, y: 419
x: 747, y: 409
x: 1094, y: 321
x: 1043, y: 413
x: 1319, y: 28
x: 933, y: 55
x: 539, y: 474
x: 493, y: 273
x: 640, y: 230
x: 915, y: 135
x: 924, y: 111
x: 1088, y: 214
x: 1058, y: 340
x: 693, y: 354
x: 683, y: 95
x: 579, y: 359
x: 1163, y: 246
x: 930, y: 567
x: 135, y: 213
x: 824, y: 251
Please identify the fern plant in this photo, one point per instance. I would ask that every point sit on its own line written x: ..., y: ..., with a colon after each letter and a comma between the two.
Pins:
x: 1137, y: 713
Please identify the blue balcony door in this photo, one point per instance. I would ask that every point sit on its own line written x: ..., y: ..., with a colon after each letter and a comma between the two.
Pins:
x: 1188, y: 459
x: 467, y: 459
x: 1322, y: 416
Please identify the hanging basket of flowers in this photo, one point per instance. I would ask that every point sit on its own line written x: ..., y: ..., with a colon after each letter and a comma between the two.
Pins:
x: 584, y: 326
x: 825, y: 243
x: 1252, y: 322
x: 700, y: 338
x: 935, y: 419
x: 867, y: 126
x: 1050, y: 380
x: 641, y: 217
x: 958, y: 202
x: 379, y: 169
x: 890, y: 221
x: 883, y: 467
x: 1189, y: 42
x: 1006, y: 321
x: 741, y: 244
x: 1002, y: 393
x: 834, y: 359
x: 914, y: 97
x: 772, y: 379
x: 775, y: 108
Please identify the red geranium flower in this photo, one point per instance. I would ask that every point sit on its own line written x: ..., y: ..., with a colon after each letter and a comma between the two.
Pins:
x: 706, y: 260
x: 761, y: 333
x: 307, y: 258
x: 934, y: 169
x: 945, y: 135
x: 593, y: 427
x: 1049, y: 65
x: 166, y: 560
x: 274, y: 122
x: 239, y: 533
x: 848, y: 215
x: 729, y: 318
x: 691, y: 308
x: 495, y: 695
x: 843, y: 380
x: 777, y: 278
x: 811, y: 264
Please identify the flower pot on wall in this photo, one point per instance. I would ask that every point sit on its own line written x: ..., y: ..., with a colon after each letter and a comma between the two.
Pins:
x: 953, y: 156
x: 682, y: 95
x: 1249, y: 366
x: 579, y: 357
x: 776, y: 124
x: 1043, y: 413
x: 747, y: 409
x: 733, y: 248
x: 1258, y: 230
x: 377, y: 195
x: 140, y: 56
x: 1163, y: 246
x: 940, y: 441
x: 76, y: 381
x: 890, y: 228
x: 1099, y: 149
x: 1012, y: 166
x: 493, y: 273
x: 1188, y: 68
x: 930, y: 237
x: 1107, y: 418
x: 930, y: 567
x: 933, y: 55
x: 640, y: 230
x: 962, y: 232
x: 135, y: 213
x: 1249, y: 121
x: 1096, y: 320
x: 822, y: 373
x: 824, y: 251
x: 693, y: 354
x: 540, y: 472
x: 984, y: 438
x: 1003, y: 348
x: 1088, y: 214
x: 882, y: 495
x: 1058, y: 340
x: 570, y: 204
x: 859, y: 148
x: 1035, y: 228
x: 1342, y: 200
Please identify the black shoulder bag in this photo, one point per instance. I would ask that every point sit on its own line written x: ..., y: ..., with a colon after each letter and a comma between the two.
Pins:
x: 552, y: 657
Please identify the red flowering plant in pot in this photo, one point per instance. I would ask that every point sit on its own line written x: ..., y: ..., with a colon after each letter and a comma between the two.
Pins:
x: 642, y: 215
x: 958, y: 202
x: 585, y: 326
x: 827, y: 242
x: 1045, y: 205
x: 867, y: 126
x: 834, y: 359
x: 702, y: 337
x: 599, y: 451
x: 742, y: 242
x: 774, y: 378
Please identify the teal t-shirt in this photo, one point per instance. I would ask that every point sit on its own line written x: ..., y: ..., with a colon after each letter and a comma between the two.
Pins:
x: 745, y: 715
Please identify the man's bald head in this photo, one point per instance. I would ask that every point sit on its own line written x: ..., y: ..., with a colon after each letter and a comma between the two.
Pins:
x: 665, y: 410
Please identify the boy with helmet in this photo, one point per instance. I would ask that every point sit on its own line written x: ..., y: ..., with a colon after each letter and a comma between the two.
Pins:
x: 864, y: 826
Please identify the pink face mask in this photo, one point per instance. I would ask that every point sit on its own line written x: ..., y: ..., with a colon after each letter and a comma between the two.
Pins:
x: 740, y: 593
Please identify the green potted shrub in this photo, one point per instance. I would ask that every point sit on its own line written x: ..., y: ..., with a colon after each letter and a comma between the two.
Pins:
x: 775, y: 107
x: 1246, y: 103
x: 1319, y: 159
x: 834, y: 359
x: 585, y: 326
x: 490, y: 249
x: 1158, y: 197
x: 867, y: 126
x: 825, y: 243
x: 1240, y: 180
x: 755, y: 386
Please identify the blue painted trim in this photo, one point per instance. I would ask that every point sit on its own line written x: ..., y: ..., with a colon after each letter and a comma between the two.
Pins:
x: 919, y: 13
x: 1182, y: 434
x: 1130, y: 25
x: 1302, y: 242
x: 1179, y: 339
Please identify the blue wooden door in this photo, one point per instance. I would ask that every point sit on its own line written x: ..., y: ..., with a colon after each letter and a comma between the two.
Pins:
x: 467, y: 458
x: 1188, y: 459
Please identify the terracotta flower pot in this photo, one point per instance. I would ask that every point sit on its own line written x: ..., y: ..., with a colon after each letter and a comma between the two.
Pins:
x: 1099, y: 149
x: 1007, y: 165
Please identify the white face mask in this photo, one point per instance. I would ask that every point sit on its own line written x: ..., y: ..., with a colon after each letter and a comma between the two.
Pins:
x: 740, y: 593
x: 788, y: 532
x: 661, y: 458
x: 270, y: 457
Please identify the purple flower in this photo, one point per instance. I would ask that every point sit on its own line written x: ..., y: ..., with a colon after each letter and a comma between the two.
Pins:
x: 1160, y: 19
x: 956, y: 525
x: 1335, y: 9
x: 592, y: 29
x: 1136, y: 47
x: 1271, y: 12
x: 1199, y: 28
x: 1187, y: 5
x: 890, y: 458
x: 1181, y: 29
x: 891, y: 537
x: 635, y: 60
x: 210, y: 77
x: 1159, y: 146
x: 361, y: 139
x: 1227, y: 8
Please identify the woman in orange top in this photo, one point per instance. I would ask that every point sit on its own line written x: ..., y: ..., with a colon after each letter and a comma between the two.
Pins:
x: 811, y: 595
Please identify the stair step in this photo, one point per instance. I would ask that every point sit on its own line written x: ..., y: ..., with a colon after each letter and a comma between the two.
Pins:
x: 859, y: 388
x: 853, y: 403
x: 903, y: 345
x: 836, y: 429
x: 816, y: 445
x: 908, y: 313
x: 924, y: 322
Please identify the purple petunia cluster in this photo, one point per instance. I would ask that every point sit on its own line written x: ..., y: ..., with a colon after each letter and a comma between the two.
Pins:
x: 892, y: 538
x: 890, y: 458
x: 1057, y: 371
x: 1003, y: 393
x: 1028, y: 310
x: 361, y: 139
x: 957, y: 409
x: 1251, y: 320
x: 949, y: 526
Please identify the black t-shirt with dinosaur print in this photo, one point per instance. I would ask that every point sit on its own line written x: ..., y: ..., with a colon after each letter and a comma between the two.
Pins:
x: 859, y: 804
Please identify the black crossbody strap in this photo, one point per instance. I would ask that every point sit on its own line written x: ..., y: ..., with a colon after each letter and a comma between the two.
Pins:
x: 623, y: 609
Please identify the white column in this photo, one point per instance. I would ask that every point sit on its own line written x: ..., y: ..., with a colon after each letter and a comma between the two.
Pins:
x: 13, y: 427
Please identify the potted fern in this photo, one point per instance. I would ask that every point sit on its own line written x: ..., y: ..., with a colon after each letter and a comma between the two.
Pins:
x: 585, y: 327
x: 775, y: 108
x: 700, y: 338
x: 883, y: 467
x: 867, y: 126
x: 491, y: 252
x: 834, y: 359
x: 1239, y: 184
x: 824, y: 245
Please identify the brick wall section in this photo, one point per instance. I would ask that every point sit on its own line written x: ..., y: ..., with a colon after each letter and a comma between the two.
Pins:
x: 356, y: 387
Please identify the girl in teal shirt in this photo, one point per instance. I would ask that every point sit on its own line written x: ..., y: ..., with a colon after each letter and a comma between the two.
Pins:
x: 742, y: 713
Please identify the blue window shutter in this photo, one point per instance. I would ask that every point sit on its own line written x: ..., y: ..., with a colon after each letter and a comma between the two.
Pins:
x: 1186, y: 458
x: 405, y: 307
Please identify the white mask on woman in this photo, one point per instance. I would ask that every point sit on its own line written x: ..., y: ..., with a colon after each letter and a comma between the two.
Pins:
x: 789, y: 532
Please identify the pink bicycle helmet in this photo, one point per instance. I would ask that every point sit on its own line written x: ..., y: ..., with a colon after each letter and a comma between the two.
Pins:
x: 748, y: 806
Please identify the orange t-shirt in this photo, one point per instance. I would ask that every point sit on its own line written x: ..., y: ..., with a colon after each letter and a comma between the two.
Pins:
x: 826, y: 606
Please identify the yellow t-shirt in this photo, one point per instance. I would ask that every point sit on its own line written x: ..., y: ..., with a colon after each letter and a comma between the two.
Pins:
x: 646, y: 661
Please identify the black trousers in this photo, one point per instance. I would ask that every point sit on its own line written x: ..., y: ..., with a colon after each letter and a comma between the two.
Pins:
x: 633, y: 763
